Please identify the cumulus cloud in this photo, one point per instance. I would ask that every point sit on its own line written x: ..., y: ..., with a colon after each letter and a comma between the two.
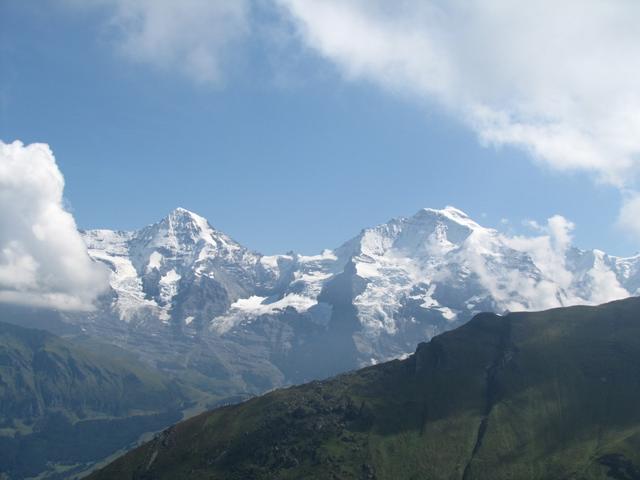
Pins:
x: 194, y: 37
x: 43, y: 260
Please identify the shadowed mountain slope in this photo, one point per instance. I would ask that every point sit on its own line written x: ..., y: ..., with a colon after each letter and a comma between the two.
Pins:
x: 551, y: 394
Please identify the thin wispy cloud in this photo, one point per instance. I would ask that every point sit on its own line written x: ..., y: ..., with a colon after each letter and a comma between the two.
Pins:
x: 195, y: 38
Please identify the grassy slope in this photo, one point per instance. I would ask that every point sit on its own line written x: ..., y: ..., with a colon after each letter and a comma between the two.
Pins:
x: 553, y: 394
x: 66, y: 405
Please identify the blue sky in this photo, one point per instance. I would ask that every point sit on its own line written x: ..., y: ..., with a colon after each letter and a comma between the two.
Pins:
x: 285, y: 153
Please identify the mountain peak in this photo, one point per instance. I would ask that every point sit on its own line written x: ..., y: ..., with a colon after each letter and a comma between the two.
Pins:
x: 180, y: 210
x: 448, y: 214
x: 183, y: 219
x: 181, y: 227
x: 183, y: 213
x: 449, y: 209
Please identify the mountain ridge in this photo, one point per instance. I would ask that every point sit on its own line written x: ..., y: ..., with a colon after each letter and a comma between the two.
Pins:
x: 549, y: 394
x: 377, y: 295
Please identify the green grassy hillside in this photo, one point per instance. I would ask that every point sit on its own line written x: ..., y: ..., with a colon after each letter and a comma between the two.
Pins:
x: 63, y: 407
x: 548, y: 395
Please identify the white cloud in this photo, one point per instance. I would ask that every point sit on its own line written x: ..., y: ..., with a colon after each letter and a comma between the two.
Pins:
x: 559, y: 284
x: 548, y: 251
x: 603, y: 283
x: 43, y: 260
x: 557, y: 79
x: 532, y: 225
x: 194, y: 37
x: 629, y: 218
x: 560, y: 80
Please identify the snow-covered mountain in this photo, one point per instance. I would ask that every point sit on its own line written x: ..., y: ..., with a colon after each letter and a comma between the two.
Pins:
x: 158, y: 268
x: 373, y: 298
